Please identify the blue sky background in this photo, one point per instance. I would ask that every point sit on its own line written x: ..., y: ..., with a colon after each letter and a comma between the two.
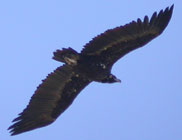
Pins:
x: 145, y: 106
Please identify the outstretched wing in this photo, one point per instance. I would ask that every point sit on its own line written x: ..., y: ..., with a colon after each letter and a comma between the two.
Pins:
x: 50, y: 99
x: 115, y: 43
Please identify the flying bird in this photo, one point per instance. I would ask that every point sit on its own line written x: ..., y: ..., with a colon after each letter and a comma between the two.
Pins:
x: 94, y: 63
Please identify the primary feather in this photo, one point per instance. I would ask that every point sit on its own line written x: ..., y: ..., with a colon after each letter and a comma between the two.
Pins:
x: 94, y: 63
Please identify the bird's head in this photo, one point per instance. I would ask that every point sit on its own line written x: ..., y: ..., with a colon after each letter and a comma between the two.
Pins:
x: 111, y: 79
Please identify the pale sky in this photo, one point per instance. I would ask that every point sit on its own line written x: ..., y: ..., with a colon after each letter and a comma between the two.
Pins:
x: 145, y: 106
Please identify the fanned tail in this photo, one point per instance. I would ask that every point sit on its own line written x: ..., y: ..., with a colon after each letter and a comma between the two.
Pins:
x: 66, y: 55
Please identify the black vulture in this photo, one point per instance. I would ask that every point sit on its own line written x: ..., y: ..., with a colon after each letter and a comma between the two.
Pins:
x: 94, y: 63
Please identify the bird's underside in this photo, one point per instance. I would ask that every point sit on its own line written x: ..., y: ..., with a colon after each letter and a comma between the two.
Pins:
x: 94, y: 63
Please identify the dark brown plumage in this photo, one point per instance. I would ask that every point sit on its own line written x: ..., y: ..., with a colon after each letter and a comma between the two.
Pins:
x: 94, y: 63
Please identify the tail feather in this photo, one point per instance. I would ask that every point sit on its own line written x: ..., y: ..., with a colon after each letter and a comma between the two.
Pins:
x: 66, y: 55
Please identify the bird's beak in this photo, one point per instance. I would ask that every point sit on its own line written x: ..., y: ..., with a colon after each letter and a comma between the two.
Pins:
x: 118, y: 80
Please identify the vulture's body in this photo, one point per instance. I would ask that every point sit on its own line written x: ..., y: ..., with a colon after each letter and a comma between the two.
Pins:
x: 94, y: 63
